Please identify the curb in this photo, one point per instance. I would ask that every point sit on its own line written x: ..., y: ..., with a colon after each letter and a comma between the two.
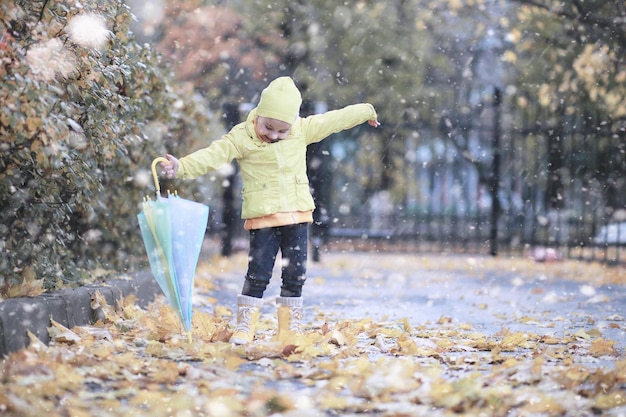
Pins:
x: 69, y: 307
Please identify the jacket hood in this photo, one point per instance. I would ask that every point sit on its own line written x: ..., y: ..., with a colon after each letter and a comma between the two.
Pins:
x: 280, y: 100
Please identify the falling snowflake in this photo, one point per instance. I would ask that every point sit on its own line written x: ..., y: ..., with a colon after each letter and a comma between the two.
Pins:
x: 142, y: 178
x: 89, y: 31
x: 50, y: 59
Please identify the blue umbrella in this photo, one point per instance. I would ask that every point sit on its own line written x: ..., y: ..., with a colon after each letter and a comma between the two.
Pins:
x: 173, y: 230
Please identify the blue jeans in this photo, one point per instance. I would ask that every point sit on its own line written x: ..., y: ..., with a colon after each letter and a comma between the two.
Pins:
x: 292, y: 241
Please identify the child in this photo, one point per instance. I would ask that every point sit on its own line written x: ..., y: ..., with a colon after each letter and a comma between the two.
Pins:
x: 270, y: 147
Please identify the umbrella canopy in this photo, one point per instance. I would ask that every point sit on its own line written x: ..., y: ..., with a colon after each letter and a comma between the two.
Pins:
x: 173, y: 229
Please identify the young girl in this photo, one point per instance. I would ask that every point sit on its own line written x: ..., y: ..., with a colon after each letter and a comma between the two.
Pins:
x: 270, y: 147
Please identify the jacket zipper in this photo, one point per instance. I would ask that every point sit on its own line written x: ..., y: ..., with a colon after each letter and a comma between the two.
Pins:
x: 281, y: 166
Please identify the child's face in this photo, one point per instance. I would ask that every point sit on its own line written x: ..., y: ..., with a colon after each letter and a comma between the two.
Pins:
x: 271, y: 130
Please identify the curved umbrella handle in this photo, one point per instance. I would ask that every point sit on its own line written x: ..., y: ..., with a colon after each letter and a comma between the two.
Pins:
x: 154, y: 173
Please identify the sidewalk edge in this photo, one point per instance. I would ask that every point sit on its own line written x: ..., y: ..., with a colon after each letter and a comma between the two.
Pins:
x: 69, y: 307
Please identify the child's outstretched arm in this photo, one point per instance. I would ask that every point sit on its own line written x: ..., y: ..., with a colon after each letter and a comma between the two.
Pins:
x: 319, y: 126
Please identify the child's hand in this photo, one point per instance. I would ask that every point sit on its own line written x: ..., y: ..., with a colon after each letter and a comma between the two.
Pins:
x: 373, y: 123
x: 171, y: 168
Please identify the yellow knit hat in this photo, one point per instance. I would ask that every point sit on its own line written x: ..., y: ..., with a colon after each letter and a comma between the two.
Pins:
x: 280, y: 100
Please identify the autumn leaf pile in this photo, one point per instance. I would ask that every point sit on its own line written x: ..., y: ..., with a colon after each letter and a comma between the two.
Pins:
x: 138, y: 362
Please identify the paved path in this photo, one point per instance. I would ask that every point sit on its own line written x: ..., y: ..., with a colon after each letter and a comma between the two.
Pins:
x: 427, y: 289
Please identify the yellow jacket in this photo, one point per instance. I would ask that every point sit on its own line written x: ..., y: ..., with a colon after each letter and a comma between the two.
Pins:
x: 274, y: 175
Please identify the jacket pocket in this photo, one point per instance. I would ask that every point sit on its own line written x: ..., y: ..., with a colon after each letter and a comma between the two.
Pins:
x: 259, y: 199
x: 304, y: 199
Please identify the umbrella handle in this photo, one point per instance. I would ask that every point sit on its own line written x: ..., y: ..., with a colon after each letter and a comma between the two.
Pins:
x: 154, y: 173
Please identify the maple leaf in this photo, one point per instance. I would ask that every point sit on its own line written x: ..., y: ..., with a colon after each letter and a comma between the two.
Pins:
x: 62, y: 334
x: 603, y: 347
x: 29, y: 287
x: 611, y: 400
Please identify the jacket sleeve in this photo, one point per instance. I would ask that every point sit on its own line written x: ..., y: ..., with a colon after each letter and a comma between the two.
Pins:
x: 213, y: 157
x: 319, y: 126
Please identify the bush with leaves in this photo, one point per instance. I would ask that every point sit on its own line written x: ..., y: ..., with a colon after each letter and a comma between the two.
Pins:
x: 84, y: 110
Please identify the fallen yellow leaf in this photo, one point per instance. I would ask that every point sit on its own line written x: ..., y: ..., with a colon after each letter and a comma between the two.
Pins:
x: 602, y: 347
x: 611, y: 400
x: 62, y: 334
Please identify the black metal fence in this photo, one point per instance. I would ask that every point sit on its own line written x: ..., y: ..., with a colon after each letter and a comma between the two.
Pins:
x: 546, y: 193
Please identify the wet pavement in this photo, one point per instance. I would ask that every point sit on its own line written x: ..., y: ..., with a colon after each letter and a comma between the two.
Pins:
x: 456, y: 289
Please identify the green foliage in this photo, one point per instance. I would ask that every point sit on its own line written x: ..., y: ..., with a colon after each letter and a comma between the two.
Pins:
x: 570, y: 57
x: 79, y: 125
